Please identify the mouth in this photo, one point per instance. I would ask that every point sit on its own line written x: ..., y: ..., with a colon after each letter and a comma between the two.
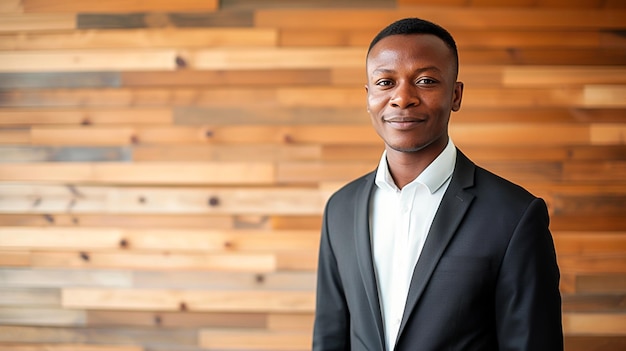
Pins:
x: 403, y: 123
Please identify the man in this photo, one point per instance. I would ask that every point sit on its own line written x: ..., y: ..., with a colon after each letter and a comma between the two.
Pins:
x: 431, y: 252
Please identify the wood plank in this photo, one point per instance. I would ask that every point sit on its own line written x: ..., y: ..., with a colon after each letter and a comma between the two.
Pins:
x: 233, y: 153
x: 596, y: 343
x: 602, y: 171
x: 14, y: 136
x: 195, y: 78
x: 174, y: 300
x: 313, y: 172
x: 130, y: 221
x: 15, y: 259
x: 29, y: 297
x: 269, y: 115
x: 589, y: 222
x: 92, y: 60
x: 67, y: 347
x: 277, y: 58
x: 155, y: 261
x: 580, y: 303
x: 42, y: 6
x: 64, y: 154
x: 98, y: 116
x: 103, y: 318
x: 290, y: 322
x: 223, y: 173
x: 596, y: 264
x: 41, y: 316
x: 240, y: 281
x: 228, y: 134
x: 49, y: 199
x: 221, y: 19
x: 518, y: 134
x: 37, y: 22
x: 11, y: 6
x: 605, y: 134
x: 470, y: 18
x: 590, y: 243
x: 516, y: 76
x: 601, y: 283
x: 594, y: 323
x: 104, y: 336
x: 162, y: 240
x: 64, y: 80
x: 258, y: 340
x: 605, y: 95
x: 56, y: 278
x: 139, y: 38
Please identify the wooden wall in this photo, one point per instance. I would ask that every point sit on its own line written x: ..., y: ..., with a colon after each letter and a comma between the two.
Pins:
x: 164, y: 164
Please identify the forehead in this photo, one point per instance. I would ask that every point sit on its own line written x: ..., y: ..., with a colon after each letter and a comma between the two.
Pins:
x: 408, y: 49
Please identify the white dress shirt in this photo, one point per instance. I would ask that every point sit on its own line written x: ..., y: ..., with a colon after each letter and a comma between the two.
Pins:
x: 399, y: 222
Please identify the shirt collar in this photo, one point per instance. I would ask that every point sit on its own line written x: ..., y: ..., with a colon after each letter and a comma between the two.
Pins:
x: 433, y: 177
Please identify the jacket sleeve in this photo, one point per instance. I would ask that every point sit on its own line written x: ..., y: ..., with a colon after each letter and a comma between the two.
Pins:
x: 528, y: 301
x: 331, y: 329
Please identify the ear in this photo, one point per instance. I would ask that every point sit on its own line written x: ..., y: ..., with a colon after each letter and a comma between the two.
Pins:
x: 366, y: 89
x: 457, y: 96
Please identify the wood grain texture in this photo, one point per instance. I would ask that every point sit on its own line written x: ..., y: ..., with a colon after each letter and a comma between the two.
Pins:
x: 42, y: 6
x: 175, y: 300
x: 36, y: 22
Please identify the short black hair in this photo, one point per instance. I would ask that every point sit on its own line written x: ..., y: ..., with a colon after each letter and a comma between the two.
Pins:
x: 416, y: 25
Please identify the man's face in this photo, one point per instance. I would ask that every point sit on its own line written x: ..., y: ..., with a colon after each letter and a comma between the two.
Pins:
x: 411, y: 90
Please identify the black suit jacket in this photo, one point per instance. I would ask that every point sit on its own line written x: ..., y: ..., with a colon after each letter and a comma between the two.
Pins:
x: 487, y: 278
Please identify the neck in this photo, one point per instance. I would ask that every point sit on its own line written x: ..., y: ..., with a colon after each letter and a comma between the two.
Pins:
x: 406, y: 166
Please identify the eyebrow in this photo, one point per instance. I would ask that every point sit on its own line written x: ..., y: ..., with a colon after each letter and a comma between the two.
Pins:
x: 419, y: 70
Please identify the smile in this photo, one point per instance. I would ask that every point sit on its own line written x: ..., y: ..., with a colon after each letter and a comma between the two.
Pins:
x: 403, y: 123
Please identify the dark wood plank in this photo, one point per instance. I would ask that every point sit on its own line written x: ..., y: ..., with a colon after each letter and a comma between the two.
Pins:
x: 595, y: 343
x: 601, y: 284
x: 64, y: 154
x: 229, y: 78
x: 181, y: 20
x: 96, y: 318
x: 594, y: 303
x: 59, y: 80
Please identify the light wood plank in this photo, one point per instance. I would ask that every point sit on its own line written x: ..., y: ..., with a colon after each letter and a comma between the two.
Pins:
x: 516, y: 76
x: 155, y: 261
x: 605, y: 95
x: 47, y: 199
x: 594, y: 323
x: 42, y: 6
x: 215, y: 280
x: 290, y: 322
x: 232, y: 153
x: 173, y: 300
x: 11, y: 6
x: 86, y: 117
x: 254, y: 339
x: 605, y: 134
x: 585, y: 243
x: 92, y: 60
x: 56, y: 278
x: 147, y: 173
x: 181, y: 221
x: 41, y: 316
x: 98, y: 336
x: 139, y: 38
x: 15, y: 259
x: 29, y: 297
x: 278, y: 58
x: 67, y: 347
x: 36, y: 22
x: 168, y: 240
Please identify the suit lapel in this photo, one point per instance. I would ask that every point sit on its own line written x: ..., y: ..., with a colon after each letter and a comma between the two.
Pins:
x: 364, y: 252
x: 454, y: 204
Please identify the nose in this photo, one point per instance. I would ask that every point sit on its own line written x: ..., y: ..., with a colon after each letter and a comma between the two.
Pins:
x: 404, y: 95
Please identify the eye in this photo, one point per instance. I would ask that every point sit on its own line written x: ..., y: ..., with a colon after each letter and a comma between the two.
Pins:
x: 384, y: 83
x: 426, y: 81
